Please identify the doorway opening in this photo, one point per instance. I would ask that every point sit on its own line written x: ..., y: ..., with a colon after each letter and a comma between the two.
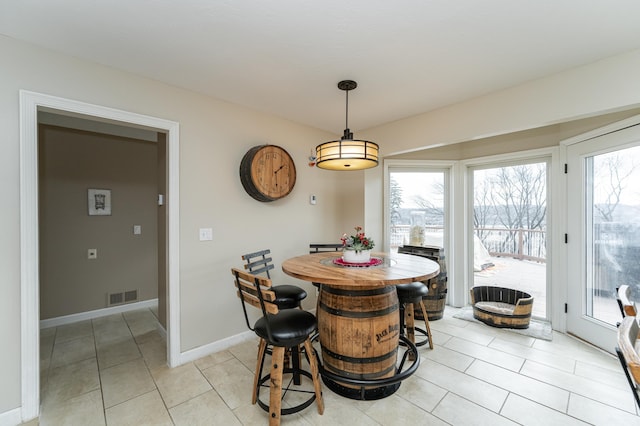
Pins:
x: 30, y: 105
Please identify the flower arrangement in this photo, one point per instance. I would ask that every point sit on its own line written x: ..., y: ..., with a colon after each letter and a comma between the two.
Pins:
x: 357, y: 242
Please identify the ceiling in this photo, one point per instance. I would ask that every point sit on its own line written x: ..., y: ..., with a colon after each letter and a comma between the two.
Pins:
x: 285, y: 57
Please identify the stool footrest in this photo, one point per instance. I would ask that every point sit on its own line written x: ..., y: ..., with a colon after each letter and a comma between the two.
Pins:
x: 289, y: 410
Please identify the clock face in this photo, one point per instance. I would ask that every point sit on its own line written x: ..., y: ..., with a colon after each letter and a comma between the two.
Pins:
x: 267, y: 172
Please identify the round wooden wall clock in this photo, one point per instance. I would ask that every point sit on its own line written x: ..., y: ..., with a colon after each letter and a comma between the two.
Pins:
x: 267, y: 172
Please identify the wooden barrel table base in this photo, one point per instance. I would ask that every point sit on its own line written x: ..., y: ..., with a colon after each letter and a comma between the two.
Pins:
x: 359, y: 331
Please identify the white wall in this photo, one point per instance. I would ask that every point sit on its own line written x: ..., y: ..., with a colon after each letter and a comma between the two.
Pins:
x: 214, y: 136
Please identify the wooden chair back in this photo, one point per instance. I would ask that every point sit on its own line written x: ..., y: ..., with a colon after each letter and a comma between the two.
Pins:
x: 259, y: 262
x: 321, y: 248
x: 255, y: 291
x: 627, y: 307
x: 627, y: 353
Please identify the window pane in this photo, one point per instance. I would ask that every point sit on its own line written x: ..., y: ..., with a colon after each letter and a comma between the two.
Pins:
x: 416, y: 208
x: 613, y: 230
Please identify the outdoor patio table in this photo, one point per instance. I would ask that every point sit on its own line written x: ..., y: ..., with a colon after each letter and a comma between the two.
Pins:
x: 358, y: 317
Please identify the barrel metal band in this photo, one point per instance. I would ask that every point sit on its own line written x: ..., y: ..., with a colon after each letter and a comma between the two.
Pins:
x: 354, y: 360
x: 359, y: 293
x: 359, y: 314
x: 362, y: 376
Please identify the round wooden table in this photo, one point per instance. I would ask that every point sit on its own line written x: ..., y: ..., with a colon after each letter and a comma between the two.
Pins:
x: 358, y: 317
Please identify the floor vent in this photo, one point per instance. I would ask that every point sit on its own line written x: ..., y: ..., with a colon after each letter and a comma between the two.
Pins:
x: 121, y: 298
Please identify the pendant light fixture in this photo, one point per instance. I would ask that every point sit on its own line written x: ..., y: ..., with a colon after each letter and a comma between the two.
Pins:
x: 347, y: 153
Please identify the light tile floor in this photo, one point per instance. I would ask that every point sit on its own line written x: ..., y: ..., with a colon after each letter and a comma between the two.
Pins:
x: 113, y: 371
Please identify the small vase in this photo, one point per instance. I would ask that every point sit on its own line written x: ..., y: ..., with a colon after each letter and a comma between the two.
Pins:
x: 353, y: 256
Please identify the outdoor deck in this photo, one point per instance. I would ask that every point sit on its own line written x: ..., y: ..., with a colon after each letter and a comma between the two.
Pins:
x: 530, y: 277
x: 521, y: 275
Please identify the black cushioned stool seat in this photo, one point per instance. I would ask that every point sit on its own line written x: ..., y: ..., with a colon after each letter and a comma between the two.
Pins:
x: 410, y: 296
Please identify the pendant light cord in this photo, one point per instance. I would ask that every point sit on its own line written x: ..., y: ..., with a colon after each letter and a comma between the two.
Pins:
x: 346, y: 115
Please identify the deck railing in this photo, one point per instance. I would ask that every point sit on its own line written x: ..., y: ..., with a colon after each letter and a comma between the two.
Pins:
x: 529, y: 244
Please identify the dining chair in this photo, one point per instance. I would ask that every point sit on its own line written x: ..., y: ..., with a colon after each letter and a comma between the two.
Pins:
x: 283, y: 330
x: 287, y: 296
x: 323, y: 248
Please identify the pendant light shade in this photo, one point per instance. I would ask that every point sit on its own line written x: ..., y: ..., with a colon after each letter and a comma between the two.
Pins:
x: 347, y: 153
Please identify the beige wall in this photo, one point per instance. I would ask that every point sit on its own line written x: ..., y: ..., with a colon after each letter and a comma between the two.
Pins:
x: 70, y: 162
x: 542, y: 137
x: 214, y: 135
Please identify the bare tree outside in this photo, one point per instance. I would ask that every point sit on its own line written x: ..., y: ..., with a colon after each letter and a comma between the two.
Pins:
x: 512, y: 199
x: 395, y: 200
x: 416, y: 198
x: 481, y: 207
x: 612, y: 175
x: 433, y: 206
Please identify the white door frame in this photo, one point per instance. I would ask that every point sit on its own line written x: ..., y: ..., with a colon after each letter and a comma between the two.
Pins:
x: 577, y: 323
x: 30, y: 103
x: 554, y: 241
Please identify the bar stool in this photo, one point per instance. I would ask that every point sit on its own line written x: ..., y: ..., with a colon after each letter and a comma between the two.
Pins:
x: 287, y: 296
x: 323, y: 248
x: 410, y: 296
x: 284, y: 330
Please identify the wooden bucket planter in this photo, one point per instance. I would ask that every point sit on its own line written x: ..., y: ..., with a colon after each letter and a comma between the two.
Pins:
x: 501, y: 307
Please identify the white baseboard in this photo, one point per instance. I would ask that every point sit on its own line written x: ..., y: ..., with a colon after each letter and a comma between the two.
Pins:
x: 68, y: 319
x: 11, y: 417
x: 218, y: 346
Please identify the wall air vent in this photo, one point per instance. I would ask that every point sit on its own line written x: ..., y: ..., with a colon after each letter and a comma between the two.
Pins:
x: 130, y: 296
x: 120, y: 298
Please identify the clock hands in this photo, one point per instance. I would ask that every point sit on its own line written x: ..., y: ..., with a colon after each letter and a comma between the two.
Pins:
x: 276, y: 173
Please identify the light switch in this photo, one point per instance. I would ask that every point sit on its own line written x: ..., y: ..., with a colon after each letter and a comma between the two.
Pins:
x: 206, y: 234
x: 312, y: 200
x: 137, y: 229
x: 92, y: 253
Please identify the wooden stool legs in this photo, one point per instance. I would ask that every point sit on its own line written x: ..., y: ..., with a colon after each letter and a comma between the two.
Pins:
x: 262, y: 347
x: 409, y: 320
x: 313, y: 363
x: 275, y: 380
x: 426, y: 324
x: 275, y: 395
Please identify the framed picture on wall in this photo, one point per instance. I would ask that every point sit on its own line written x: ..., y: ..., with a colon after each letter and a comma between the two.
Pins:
x: 99, y: 202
